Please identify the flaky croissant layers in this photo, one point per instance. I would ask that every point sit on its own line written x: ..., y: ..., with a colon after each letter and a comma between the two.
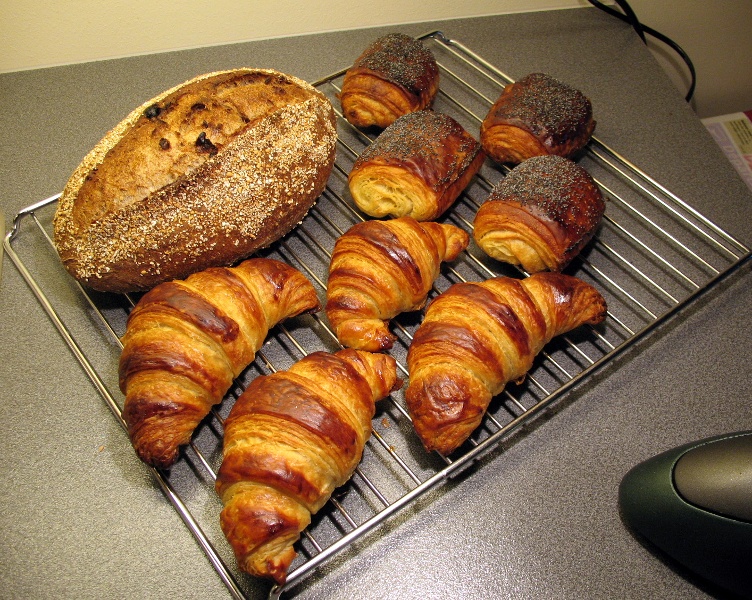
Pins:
x: 477, y: 337
x: 380, y: 269
x: 291, y: 439
x: 186, y: 341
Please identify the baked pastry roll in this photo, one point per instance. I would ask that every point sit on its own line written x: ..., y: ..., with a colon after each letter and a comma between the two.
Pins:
x: 535, y: 116
x: 290, y: 440
x: 417, y: 167
x: 540, y: 215
x: 185, y: 342
x: 380, y: 269
x: 395, y: 75
x: 476, y: 337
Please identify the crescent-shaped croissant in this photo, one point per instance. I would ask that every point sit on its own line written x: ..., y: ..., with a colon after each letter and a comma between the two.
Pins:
x: 186, y: 341
x: 476, y: 337
x: 380, y: 269
x: 290, y: 440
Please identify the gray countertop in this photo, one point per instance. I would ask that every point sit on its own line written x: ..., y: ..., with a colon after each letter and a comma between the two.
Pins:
x: 82, y: 518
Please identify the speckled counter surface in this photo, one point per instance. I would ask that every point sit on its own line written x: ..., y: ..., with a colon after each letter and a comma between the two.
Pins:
x: 82, y: 518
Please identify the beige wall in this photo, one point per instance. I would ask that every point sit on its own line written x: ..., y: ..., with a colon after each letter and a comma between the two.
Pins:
x: 51, y: 32
x: 39, y: 33
x: 717, y: 35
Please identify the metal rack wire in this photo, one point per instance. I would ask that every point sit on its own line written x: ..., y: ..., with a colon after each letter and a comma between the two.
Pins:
x: 652, y: 256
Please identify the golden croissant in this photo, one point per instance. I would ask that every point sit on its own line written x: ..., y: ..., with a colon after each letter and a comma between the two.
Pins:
x: 186, y: 341
x: 476, y: 337
x: 290, y: 440
x: 380, y: 269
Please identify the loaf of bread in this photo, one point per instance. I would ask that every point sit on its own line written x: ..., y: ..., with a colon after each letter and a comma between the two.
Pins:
x: 540, y: 215
x: 202, y: 175
x: 535, y: 116
x: 417, y: 167
x: 395, y: 75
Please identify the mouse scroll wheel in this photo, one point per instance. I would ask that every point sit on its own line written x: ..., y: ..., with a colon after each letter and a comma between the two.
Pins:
x: 717, y: 476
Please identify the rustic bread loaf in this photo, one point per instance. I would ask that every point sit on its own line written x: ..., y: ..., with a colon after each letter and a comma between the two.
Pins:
x: 202, y: 175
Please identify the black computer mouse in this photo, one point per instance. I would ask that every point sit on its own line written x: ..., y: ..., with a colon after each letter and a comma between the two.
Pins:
x: 694, y: 503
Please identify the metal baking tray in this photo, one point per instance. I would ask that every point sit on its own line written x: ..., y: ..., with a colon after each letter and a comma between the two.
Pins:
x: 652, y: 256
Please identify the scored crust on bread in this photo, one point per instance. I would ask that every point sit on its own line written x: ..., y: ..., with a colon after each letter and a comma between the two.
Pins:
x: 202, y: 175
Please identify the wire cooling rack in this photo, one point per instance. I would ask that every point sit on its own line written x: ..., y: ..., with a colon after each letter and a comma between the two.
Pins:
x: 652, y: 255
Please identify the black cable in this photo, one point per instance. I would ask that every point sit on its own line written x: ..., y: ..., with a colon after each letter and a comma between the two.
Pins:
x: 629, y: 16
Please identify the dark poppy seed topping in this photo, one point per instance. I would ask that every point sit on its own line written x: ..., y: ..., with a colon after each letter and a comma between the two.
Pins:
x: 556, y: 187
x: 400, y: 59
x: 548, y: 106
x: 419, y: 138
